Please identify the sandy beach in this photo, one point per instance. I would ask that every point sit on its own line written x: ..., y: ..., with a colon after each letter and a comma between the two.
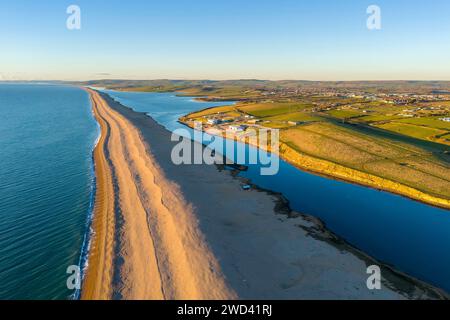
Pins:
x: 163, y: 231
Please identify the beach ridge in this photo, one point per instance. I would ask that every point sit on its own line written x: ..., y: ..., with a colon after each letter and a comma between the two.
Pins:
x: 336, y: 171
x: 162, y: 257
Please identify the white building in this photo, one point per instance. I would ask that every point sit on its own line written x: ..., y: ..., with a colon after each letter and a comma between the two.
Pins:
x: 237, y: 128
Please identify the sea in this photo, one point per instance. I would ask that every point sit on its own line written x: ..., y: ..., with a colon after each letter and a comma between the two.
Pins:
x: 410, y: 236
x: 47, y: 183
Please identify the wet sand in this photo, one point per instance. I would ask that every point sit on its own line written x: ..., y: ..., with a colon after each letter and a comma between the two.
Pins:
x: 163, y: 231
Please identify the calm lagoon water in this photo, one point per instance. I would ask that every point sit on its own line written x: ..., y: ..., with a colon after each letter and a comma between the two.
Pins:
x: 47, y: 133
x: 411, y: 236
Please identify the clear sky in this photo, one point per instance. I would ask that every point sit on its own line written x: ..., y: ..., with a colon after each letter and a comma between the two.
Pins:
x: 225, y: 39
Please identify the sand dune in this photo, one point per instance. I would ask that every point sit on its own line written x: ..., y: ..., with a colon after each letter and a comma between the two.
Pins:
x: 189, y: 232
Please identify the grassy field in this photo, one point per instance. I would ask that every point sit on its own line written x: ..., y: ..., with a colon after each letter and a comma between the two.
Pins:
x: 401, y: 162
x: 344, y: 114
x: 420, y: 132
x: 377, y: 142
x: 295, y: 116
x: 212, y: 111
x: 431, y: 122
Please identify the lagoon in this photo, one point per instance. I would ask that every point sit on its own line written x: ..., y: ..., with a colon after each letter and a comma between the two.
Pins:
x: 47, y: 133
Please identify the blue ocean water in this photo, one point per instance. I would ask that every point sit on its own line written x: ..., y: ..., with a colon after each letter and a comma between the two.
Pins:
x: 411, y: 236
x: 47, y: 133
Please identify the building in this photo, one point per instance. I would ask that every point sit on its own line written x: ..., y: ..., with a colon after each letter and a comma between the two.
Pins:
x: 237, y: 128
x: 213, y: 121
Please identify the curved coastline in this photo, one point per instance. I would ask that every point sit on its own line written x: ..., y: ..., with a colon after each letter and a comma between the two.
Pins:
x: 87, y: 239
x: 95, y: 288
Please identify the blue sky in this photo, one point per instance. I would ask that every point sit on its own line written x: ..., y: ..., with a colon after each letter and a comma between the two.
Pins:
x: 284, y: 39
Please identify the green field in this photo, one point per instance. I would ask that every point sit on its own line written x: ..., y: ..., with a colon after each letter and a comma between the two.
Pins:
x: 378, y: 118
x: 400, y: 141
x: 344, y: 114
x: 428, y: 122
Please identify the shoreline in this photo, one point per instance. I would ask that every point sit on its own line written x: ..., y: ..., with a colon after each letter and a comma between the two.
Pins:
x: 97, y: 268
x: 319, y: 231
x: 101, y: 219
x: 128, y: 263
x: 85, y: 249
